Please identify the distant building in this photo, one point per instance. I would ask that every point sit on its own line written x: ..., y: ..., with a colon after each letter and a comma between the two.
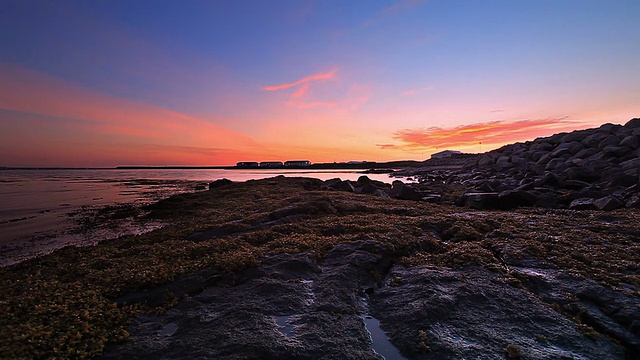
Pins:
x: 271, y: 164
x: 247, y: 164
x: 297, y: 163
x: 355, y: 162
x: 445, y: 154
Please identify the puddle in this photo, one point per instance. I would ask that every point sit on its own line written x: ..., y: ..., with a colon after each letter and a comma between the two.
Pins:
x: 379, y: 341
x: 284, y: 325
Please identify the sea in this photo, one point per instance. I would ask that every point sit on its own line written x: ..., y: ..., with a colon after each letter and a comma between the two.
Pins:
x: 42, y: 210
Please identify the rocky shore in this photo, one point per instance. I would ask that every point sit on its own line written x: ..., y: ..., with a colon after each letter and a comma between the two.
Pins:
x: 595, y: 169
x: 455, y: 265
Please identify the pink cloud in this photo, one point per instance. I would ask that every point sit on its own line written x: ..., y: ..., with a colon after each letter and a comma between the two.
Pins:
x: 301, y: 92
x: 322, y: 76
x: 495, y: 132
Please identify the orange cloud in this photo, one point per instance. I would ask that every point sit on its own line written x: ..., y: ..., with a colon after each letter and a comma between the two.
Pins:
x: 323, y: 76
x: 108, y: 119
x: 495, y: 132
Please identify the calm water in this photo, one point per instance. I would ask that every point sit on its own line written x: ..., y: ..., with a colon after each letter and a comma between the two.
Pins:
x: 37, y: 207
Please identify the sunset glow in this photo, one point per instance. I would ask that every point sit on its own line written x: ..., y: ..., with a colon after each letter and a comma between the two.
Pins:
x: 214, y: 83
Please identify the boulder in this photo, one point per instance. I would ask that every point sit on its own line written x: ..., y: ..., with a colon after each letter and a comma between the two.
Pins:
x: 480, y: 201
x: 381, y: 193
x: 610, y: 140
x: 582, y: 173
x: 633, y: 124
x: 218, y: 183
x: 616, y: 151
x: 548, y: 179
x: 515, y: 198
x: 587, y: 152
x: 343, y: 186
x: 363, y: 180
x: 583, y: 204
x: 608, y: 203
x: 400, y: 190
x: 368, y: 189
x: 631, y: 141
x: 546, y: 199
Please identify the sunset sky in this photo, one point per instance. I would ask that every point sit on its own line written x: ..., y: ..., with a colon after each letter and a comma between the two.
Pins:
x: 107, y: 83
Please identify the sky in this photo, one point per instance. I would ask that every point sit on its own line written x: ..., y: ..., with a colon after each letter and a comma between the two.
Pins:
x: 107, y: 83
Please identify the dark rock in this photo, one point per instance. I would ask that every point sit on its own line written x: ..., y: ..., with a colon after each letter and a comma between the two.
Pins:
x: 381, y: 193
x: 400, y: 190
x: 633, y: 124
x: 368, y: 189
x: 610, y: 140
x: 575, y: 184
x: 583, y: 204
x: 609, y: 128
x: 582, y: 174
x: 585, y: 153
x: 218, y: 183
x: 515, y: 198
x: 553, y: 163
x: 431, y: 198
x: 633, y: 201
x: 331, y: 182
x: 447, y: 306
x: 291, y: 307
x: 608, y: 203
x: 633, y: 164
x: 547, y: 179
x: 547, y: 200
x: 343, y: 186
x: 593, y: 140
x: 479, y: 201
x: 485, y: 161
x: 610, y: 312
x: 631, y: 141
x: 617, y: 151
x: 363, y: 180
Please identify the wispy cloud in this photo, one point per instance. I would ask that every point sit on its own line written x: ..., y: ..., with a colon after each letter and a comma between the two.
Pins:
x: 301, y: 92
x: 322, y: 76
x: 299, y: 98
x: 398, y: 6
x: 495, y: 132
x: 411, y: 92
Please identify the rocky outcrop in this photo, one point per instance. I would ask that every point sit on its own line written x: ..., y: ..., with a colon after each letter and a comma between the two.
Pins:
x: 345, y: 305
x: 472, y: 313
x: 574, y: 170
